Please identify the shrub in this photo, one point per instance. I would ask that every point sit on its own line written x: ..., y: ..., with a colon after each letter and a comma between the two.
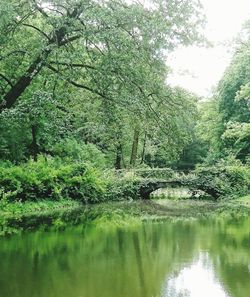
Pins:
x: 224, y: 180
x: 122, y: 187
x: 50, y: 179
x: 72, y: 150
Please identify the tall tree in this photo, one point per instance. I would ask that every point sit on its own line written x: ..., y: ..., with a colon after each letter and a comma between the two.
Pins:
x: 104, y: 47
x: 225, y: 120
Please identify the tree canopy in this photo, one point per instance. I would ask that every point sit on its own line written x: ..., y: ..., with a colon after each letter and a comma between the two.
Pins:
x: 112, y: 49
x: 226, y: 119
x: 94, y: 71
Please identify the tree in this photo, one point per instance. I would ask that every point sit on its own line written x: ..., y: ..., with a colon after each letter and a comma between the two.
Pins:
x: 32, y: 127
x: 224, y: 124
x: 233, y: 92
x: 103, y: 47
x: 237, y: 133
x: 102, y: 66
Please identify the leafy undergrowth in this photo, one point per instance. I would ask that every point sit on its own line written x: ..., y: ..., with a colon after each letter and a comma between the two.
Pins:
x: 52, y: 179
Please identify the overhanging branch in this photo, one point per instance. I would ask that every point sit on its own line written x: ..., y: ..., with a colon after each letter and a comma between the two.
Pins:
x: 78, y: 85
x: 77, y: 65
x: 6, y: 79
x: 37, y: 29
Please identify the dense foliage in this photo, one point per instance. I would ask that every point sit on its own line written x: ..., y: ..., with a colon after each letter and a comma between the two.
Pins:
x: 222, y: 180
x: 84, y: 93
x: 224, y: 126
x: 94, y: 72
x: 50, y: 179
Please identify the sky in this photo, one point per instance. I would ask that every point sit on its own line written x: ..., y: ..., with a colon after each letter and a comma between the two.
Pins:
x: 192, y: 279
x: 200, y: 69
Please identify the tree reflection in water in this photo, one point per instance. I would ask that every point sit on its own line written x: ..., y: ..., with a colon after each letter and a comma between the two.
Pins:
x: 203, y: 258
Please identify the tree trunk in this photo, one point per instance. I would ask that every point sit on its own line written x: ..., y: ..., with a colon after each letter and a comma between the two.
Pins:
x: 118, y: 160
x: 144, y: 148
x: 34, y: 147
x: 24, y: 81
x: 133, y: 156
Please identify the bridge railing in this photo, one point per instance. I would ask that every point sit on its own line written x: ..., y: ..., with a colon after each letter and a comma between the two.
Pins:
x: 147, y: 173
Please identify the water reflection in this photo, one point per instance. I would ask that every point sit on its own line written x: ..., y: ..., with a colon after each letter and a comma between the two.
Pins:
x: 196, y: 280
x: 205, y: 258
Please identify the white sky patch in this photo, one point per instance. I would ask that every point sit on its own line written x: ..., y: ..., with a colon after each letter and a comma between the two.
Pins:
x: 197, y: 280
x: 200, y: 69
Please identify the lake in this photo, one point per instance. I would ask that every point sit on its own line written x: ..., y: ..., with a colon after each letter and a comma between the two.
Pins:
x: 195, y: 258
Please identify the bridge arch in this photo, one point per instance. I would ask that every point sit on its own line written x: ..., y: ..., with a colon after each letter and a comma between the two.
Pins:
x: 147, y: 187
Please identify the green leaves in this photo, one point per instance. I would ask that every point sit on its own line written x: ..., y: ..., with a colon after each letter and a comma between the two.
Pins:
x: 119, y: 45
x: 224, y: 122
x: 50, y: 179
x: 90, y: 70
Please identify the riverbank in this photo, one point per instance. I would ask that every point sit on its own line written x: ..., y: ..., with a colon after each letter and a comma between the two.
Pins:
x: 18, y: 217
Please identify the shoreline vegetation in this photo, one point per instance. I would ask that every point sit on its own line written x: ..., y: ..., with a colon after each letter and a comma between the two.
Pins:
x: 58, y: 215
x: 55, y: 193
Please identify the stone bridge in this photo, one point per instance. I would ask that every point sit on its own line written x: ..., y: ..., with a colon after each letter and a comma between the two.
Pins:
x: 152, y: 179
x: 148, y: 186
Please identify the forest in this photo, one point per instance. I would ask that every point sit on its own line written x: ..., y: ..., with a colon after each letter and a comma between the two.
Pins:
x: 85, y: 98
x: 114, y: 181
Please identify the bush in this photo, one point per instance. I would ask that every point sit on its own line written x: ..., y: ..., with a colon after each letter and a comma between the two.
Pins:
x: 50, y: 179
x: 225, y: 180
x: 120, y: 187
x: 72, y: 150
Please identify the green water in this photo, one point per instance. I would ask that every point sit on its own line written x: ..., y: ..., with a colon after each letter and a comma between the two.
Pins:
x: 196, y: 259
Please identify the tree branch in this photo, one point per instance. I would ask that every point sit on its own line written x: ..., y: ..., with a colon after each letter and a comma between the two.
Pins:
x: 6, y: 79
x: 70, y: 39
x: 11, y: 53
x: 39, y: 8
x: 78, y: 85
x: 37, y: 29
x: 93, y: 91
x: 78, y: 65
